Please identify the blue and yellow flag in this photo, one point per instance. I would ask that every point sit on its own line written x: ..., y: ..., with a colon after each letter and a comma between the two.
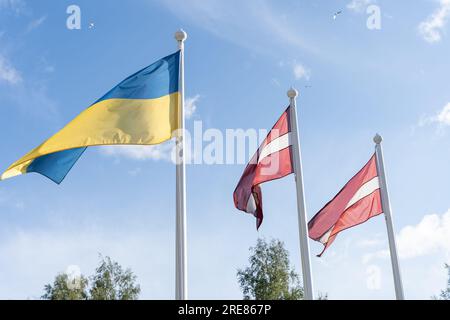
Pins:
x: 141, y: 110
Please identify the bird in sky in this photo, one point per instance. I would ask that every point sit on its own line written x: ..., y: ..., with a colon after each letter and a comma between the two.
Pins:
x: 91, y: 25
x: 336, y: 14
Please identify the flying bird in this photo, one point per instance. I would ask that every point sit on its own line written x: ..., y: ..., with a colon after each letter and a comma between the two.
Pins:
x: 336, y: 14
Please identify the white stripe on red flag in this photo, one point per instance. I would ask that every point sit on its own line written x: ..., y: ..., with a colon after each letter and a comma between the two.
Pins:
x: 275, y: 145
x: 358, y: 201
x: 272, y: 160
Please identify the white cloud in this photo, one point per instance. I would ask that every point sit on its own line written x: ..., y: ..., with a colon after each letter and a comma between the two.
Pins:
x: 190, y: 105
x: 45, y: 66
x: 423, y: 248
x: 36, y: 23
x: 275, y: 82
x: 430, y: 235
x: 380, y: 254
x: 16, y: 6
x: 8, y: 73
x: 373, y: 242
x: 431, y: 29
x: 300, y: 72
x: 442, y: 117
x: 157, y: 152
x: 373, y: 281
x: 358, y: 6
x: 134, y: 172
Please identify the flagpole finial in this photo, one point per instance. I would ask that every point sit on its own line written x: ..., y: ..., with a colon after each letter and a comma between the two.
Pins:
x: 181, y: 35
x: 292, y: 93
x: 377, y: 139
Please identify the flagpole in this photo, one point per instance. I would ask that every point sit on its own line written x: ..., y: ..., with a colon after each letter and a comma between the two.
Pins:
x: 181, y: 255
x: 301, y: 207
x: 386, y: 206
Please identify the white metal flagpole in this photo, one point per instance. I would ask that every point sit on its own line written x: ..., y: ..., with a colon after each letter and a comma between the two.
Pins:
x: 301, y: 207
x: 386, y: 206
x: 181, y: 255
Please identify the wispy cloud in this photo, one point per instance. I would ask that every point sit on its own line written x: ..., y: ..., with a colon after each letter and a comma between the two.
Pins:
x: 16, y: 6
x: 431, y: 29
x: 190, y: 106
x: 159, y: 152
x: 372, y: 242
x: 300, y: 71
x: 134, y: 172
x: 374, y: 275
x: 36, y: 23
x: 358, y: 6
x: 42, y: 105
x: 27, y: 92
x: 380, y: 254
x: 250, y: 26
x: 442, y: 118
x: 275, y: 82
x: 8, y: 73
x: 7, y: 200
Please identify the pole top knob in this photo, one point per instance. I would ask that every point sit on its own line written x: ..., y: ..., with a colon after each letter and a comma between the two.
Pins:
x: 180, y: 35
x: 292, y: 93
x: 377, y: 139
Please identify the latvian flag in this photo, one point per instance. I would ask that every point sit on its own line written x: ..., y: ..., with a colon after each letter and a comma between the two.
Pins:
x: 356, y: 203
x: 273, y: 160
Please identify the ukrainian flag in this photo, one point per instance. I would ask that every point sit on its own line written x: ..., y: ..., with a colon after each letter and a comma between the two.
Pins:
x: 141, y: 110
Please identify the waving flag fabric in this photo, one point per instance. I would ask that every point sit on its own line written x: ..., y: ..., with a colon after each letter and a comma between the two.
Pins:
x: 273, y: 160
x: 356, y: 203
x: 141, y: 110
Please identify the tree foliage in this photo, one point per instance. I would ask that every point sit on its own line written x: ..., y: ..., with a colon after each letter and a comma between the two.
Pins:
x: 269, y: 275
x: 64, y: 288
x: 445, y: 294
x: 110, y: 282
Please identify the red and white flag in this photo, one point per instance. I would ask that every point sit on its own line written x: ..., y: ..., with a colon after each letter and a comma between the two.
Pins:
x: 272, y: 160
x: 357, y: 202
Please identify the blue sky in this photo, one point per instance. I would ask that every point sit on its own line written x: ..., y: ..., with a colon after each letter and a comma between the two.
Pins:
x: 240, y: 60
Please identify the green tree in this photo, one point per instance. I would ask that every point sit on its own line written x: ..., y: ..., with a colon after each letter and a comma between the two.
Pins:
x: 112, y: 282
x: 64, y: 288
x: 269, y: 275
x: 445, y: 294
